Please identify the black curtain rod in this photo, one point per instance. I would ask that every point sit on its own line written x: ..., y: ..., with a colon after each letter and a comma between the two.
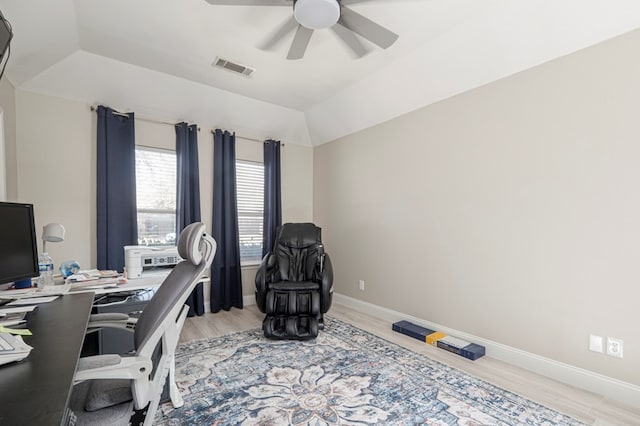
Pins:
x: 149, y: 120
x: 173, y: 124
x: 248, y: 138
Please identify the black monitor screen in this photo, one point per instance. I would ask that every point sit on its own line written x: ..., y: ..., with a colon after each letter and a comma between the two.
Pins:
x: 18, y: 250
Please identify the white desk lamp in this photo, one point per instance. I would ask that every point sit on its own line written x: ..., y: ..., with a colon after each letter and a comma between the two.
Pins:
x: 53, y: 233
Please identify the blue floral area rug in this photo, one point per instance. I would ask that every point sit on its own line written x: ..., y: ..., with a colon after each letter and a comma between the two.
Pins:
x: 345, y: 377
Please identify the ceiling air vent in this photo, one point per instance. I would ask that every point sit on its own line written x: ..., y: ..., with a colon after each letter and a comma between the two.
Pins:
x: 234, y: 67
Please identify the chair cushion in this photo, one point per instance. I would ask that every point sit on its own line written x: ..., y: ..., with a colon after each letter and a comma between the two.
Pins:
x: 106, y: 393
x: 301, y: 302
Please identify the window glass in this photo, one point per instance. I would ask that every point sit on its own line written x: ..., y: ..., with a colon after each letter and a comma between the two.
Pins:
x: 250, y: 187
x: 156, y: 196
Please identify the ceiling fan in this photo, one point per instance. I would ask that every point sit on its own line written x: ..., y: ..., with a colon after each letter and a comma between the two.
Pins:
x: 310, y: 15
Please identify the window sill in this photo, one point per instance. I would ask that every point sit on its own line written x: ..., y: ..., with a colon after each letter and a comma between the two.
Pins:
x: 250, y: 265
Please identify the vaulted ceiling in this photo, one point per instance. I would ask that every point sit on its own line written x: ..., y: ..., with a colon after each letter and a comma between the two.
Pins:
x: 156, y: 56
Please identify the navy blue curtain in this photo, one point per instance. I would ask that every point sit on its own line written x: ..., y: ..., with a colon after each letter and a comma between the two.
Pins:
x: 226, y: 281
x: 272, y: 195
x: 188, y: 191
x: 116, y: 192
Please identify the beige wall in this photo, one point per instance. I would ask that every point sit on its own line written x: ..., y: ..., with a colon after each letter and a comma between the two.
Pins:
x: 56, y: 160
x: 511, y: 212
x: 8, y: 174
x: 55, y: 164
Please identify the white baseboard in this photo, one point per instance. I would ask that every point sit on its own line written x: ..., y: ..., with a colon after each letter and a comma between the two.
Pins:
x: 608, y: 387
x: 246, y: 301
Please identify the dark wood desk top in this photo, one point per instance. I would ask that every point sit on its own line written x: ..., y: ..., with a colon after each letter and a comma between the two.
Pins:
x: 36, y: 391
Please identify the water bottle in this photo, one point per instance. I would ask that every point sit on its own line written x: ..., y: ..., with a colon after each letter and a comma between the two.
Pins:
x: 45, y: 265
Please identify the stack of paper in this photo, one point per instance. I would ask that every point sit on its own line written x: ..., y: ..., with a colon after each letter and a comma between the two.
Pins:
x: 90, y: 275
x: 12, y: 348
x: 32, y: 300
x: 14, y: 315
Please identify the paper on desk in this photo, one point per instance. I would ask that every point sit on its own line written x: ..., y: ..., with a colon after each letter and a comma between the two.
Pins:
x: 98, y: 287
x: 92, y: 274
x: 12, y: 319
x: 103, y: 283
x: 10, y: 294
x: 32, y: 300
x: 54, y: 290
x: 17, y: 309
x: 18, y: 331
x: 9, y: 323
x: 20, y: 349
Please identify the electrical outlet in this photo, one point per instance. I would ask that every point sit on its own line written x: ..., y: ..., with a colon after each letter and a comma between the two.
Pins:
x: 615, y: 347
x: 361, y: 285
x: 595, y: 343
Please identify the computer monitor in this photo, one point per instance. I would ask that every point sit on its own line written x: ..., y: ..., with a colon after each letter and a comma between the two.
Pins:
x: 18, y: 246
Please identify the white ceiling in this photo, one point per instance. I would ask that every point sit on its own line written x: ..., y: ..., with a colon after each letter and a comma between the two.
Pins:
x: 155, y: 56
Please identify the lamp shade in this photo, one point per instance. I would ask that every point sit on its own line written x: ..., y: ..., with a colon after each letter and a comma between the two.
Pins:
x: 53, y: 232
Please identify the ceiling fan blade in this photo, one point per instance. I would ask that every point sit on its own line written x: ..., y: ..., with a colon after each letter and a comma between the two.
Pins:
x: 300, y: 42
x: 349, y: 38
x: 365, y: 27
x: 251, y: 2
x: 288, y: 26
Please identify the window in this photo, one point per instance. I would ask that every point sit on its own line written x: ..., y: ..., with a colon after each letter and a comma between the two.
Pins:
x: 250, y: 188
x: 156, y: 196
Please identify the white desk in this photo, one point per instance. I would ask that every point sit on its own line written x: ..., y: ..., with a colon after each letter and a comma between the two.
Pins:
x: 150, y: 279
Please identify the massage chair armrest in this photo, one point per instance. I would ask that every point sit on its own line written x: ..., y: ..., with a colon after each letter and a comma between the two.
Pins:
x: 111, y: 320
x: 113, y: 367
x: 266, y: 271
x: 326, y: 285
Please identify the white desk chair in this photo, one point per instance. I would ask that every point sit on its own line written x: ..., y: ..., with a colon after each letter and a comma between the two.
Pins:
x: 110, y: 387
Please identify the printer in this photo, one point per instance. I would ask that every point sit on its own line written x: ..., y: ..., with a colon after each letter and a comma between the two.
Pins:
x: 141, y: 258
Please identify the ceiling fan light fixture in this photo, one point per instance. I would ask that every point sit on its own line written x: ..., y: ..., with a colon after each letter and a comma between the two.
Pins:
x: 317, y: 14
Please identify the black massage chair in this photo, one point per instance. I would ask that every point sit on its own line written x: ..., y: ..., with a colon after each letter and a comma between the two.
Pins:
x: 294, y: 284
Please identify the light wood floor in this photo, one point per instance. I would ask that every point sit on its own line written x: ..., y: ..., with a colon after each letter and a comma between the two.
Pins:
x: 584, y: 406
